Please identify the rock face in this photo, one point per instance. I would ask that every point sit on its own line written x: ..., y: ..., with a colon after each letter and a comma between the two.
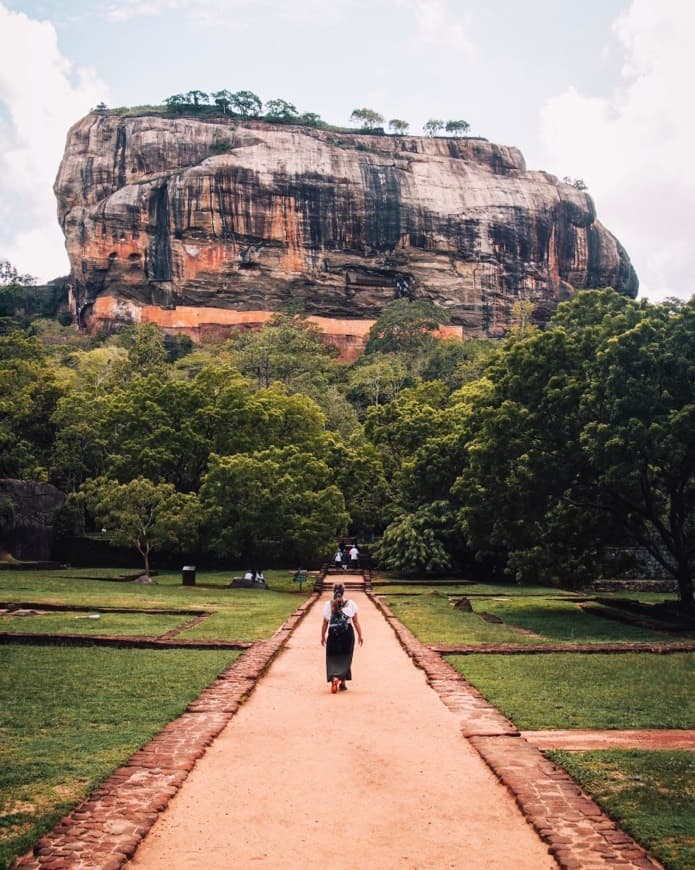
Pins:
x: 34, y: 507
x: 203, y: 225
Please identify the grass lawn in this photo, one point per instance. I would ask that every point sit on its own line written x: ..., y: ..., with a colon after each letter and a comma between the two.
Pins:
x: 87, y: 622
x: 238, y: 614
x: 564, y: 690
x: 552, y: 617
x: 69, y: 716
x: 650, y: 794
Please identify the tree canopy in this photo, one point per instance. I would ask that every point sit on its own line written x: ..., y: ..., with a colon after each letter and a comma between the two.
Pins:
x: 539, y: 449
x: 368, y: 118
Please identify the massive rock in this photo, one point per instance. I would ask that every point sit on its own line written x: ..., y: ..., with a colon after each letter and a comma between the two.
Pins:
x: 206, y: 224
x: 31, y: 535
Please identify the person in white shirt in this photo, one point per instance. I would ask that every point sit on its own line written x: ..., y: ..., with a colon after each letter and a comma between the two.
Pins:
x: 338, y: 628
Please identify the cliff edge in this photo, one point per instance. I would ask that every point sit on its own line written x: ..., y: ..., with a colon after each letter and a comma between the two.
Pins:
x: 203, y: 225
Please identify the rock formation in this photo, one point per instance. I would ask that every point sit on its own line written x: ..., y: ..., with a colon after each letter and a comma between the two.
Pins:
x: 31, y: 535
x: 206, y: 224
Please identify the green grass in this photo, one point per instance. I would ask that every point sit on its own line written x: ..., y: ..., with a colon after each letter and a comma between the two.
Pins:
x: 69, y: 717
x: 238, y: 614
x: 566, y: 690
x: 650, y: 794
x: 432, y: 618
x: 87, y: 622
x: 553, y: 618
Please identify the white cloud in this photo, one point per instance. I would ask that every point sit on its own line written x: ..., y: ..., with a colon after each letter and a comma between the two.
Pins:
x: 218, y: 13
x: 41, y: 95
x: 129, y: 9
x: 438, y: 25
x: 633, y: 147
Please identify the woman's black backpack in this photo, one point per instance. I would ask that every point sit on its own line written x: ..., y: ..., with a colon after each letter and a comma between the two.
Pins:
x: 339, y: 624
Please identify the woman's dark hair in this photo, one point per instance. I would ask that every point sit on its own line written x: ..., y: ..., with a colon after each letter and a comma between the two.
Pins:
x: 338, y: 603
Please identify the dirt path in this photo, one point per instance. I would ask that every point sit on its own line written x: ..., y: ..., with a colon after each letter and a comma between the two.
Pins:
x: 377, y: 776
x: 581, y: 739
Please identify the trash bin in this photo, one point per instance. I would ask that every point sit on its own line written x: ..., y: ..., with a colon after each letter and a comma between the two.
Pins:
x: 188, y: 575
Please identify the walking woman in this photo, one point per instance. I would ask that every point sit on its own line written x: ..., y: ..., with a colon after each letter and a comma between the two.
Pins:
x: 338, y: 636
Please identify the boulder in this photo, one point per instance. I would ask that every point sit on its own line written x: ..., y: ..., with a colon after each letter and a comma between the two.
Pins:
x: 35, y: 504
x: 203, y: 225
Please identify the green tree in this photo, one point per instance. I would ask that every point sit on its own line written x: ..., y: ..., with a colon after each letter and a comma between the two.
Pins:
x: 522, y: 315
x: 413, y: 416
x: 405, y: 325
x: 198, y: 98
x: 586, y: 433
x: 288, y: 349
x: 280, y: 110
x: 246, y: 104
x: 358, y: 472
x: 81, y: 445
x: 453, y: 361
x: 457, y: 128
x: 398, y: 127
x: 376, y: 379
x: 311, y: 119
x: 368, y: 118
x: 223, y: 99
x: 144, y: 515
x: 177, y: 102
x: 147, y: 354
x: 433, y: 127
x: 278, y: 502
x: 28, y: 396
x: 410, y: 545
x: 19, y: 298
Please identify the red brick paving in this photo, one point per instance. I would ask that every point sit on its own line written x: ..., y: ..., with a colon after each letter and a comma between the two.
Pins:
x: 582, y: 740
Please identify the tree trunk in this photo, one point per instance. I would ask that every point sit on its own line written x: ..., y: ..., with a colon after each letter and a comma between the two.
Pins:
x: 145, y: 553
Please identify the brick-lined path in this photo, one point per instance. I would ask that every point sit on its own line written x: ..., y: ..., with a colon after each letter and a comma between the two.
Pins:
x: 105, y: 830
x: 378, y: 776
x: 579, y: 833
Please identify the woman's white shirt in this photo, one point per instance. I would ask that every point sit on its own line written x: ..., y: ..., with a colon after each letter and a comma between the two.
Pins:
x: 349, y: 609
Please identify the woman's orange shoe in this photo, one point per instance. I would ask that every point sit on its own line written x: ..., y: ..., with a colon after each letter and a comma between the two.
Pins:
x: 334, y: 685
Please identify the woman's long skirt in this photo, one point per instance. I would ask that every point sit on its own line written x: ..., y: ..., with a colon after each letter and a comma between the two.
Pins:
x: 339, y: 652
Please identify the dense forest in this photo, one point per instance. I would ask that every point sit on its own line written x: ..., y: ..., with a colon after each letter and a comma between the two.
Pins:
x: 536, y: 450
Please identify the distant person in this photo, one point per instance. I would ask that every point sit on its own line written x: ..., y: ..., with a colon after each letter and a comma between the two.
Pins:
x: 338, y: 558
x: 354, y: 556
x: 338, y: 636
x: 249, y: 576
x: 344, y: 555
x: 259, y: 579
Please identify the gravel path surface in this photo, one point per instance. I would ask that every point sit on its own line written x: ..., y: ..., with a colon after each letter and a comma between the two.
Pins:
x: 376, y: 776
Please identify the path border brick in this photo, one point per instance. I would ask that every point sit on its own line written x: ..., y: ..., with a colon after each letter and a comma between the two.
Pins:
x: 105, y: 830
x: 659, y: 648
x: 579, y: 834
x: 124, y: 640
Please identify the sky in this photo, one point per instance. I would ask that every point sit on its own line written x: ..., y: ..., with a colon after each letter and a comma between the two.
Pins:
x: 599, y: 90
